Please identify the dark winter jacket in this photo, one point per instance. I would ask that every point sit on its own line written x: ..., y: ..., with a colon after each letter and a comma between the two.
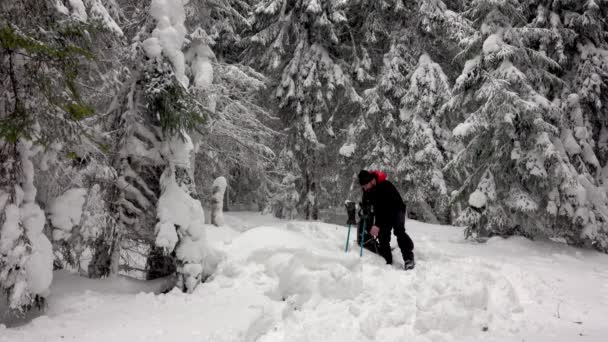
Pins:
x: 385, y: 200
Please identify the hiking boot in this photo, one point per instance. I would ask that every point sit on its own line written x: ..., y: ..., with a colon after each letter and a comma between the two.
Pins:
x: 409, y: 264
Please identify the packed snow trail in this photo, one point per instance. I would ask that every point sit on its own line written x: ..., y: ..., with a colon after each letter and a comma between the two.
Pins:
x: 292, y: 281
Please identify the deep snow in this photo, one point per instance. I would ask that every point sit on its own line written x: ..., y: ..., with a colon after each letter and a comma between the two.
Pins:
x: 292, y: 281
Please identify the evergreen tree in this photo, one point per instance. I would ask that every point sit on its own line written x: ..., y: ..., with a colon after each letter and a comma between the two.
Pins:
x: 424, y: 140
x: 284, y: 197
x: 388, y: 45
x: 515, y: 175
x: 169, y: 85
x: 223, y: 21
x: 575, y: 34
x: 174, y: 114
x: 507, y: 132
x: 437, y: 18
x: 235, y: 135
x: 80, y: 216
x: 45, y: 58
x: 297, y: 41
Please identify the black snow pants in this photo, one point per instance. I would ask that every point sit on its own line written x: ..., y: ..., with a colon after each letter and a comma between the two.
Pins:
x: 397, y: 225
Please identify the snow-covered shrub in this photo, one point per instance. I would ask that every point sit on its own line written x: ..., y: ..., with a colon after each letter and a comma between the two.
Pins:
x: 26, y: 259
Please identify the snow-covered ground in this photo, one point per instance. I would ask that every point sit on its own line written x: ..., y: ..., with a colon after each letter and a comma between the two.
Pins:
x: 292, y: 281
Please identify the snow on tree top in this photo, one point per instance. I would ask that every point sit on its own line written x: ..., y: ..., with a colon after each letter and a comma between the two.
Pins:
x: 313, y: 6
x: 424, y: 59
x: 169, y: 35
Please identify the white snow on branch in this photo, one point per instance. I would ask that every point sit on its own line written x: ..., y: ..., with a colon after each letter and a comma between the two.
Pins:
x: 477, y: 199
x: 99, y: 11
x: 169, y: 35
x: 348, y: 149
x: 78, y: 9
x: 66, y: 211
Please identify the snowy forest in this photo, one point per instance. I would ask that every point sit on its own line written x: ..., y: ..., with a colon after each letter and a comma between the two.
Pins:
x: 128, y: 127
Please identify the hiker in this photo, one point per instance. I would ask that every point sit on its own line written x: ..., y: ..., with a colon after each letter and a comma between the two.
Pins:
x: 388, y: 213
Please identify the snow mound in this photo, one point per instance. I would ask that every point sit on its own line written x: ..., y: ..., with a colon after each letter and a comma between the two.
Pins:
x: 66, y: 212
x: 301, y: 269
x: 292, y: 281
x: 465, y: 304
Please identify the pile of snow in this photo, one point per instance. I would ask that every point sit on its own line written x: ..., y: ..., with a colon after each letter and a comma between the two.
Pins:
x: 65, y: 212
x: 292, y: 281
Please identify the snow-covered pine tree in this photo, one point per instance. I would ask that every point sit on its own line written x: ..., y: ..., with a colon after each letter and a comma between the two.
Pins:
x: 87, y: 166
x: 590, y: 82
x: 436, y: 18
x: 590, y: 124
x: 424, y: 141
x: 75, y: 193
x: 223, y: 21
x: 136, y: 154
x: 282, y: 192
x: 180, y: 227
x: 297, y: 41
x: 511, y: 165
x: 151, y: 107
x: 26, y: 259
x: 575, y: 34
x: 171, y: 71
x: 377, y: 137
x: 443, y: 32
x: 372, y: 28
x: 384, y: 53
x: 46, y: 48
x: 235, y: 135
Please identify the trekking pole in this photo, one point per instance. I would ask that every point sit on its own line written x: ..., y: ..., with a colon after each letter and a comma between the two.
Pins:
x: 362, y: 238
x: 347, y: 239
x: 351, y: 211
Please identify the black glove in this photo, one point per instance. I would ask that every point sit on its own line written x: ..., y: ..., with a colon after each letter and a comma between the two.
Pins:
x: 351, y: 210
x: 365, y: 211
